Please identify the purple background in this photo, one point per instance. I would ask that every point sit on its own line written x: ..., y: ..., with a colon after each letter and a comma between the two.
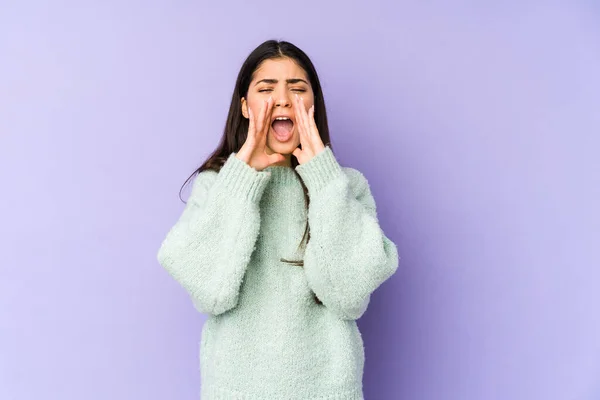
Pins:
x: 478, y: 127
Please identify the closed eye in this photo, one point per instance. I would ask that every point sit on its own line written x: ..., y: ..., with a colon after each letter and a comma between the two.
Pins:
x: 269, y: 90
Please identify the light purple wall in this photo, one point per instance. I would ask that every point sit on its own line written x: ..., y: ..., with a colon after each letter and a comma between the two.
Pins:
x: 478, y: 127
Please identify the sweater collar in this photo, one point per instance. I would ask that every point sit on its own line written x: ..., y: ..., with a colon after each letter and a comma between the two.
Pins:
x: 282, y: 175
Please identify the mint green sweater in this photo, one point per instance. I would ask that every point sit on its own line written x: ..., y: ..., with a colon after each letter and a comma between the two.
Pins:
x: 266, y: 337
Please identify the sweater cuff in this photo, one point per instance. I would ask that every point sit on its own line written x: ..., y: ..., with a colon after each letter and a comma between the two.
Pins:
x: 319, y: 170
x: 242, y: 180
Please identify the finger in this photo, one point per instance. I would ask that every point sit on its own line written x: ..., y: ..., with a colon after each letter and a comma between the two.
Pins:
x: 256, y: 121
x: 261, y: 117
x: 298, y: 110
x: 301, y: 128
x: 311, y: 119
x: 275, y: 158
x: 297, y: 116
x: 304, y: 114
x: 264, y: 127
x: 268, y: 114
x: 307, y: 125
x: 251, y: 126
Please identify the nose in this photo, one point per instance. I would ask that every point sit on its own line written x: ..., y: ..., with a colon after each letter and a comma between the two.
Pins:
x: 282, y: 99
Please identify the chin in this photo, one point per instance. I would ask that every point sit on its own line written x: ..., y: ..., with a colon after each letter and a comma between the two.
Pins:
x: 283, y: 148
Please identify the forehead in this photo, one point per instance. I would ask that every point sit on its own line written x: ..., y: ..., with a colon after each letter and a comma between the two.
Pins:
x: 280, y: 68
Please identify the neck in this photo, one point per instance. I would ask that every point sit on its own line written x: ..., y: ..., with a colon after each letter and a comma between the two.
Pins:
x: 285, y: 163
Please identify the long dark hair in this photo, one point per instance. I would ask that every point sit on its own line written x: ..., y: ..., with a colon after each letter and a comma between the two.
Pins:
x: 236, y: 127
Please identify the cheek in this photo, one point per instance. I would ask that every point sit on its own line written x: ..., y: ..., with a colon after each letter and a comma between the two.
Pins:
x: 255, y: 107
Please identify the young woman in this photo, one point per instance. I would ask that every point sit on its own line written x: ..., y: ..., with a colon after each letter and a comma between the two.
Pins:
x: 282, y: 300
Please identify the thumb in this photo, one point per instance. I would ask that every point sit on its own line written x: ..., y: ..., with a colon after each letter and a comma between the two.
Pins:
x: 297, y: 152
x: 276, y: 157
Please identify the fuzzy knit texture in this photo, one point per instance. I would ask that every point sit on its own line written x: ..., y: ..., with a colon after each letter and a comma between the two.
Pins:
x: 266, y: 337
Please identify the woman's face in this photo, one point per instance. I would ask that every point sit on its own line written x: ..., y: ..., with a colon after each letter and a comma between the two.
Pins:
x: 281, y: 79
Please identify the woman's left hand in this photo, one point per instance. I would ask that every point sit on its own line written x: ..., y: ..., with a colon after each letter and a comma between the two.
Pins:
x: 310, y: 140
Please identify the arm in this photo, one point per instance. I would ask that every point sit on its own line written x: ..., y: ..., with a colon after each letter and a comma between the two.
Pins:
x: 209, y: 247
x: 348, y: 256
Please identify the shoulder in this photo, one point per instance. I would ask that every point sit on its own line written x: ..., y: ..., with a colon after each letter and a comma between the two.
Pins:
x: 205, y: 178
x: 360, y: 188
x: 202, y: 182
x: 358, y: 181
x: 352, y: 173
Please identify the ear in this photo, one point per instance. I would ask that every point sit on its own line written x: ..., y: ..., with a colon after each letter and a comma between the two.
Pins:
x: 244, y: 108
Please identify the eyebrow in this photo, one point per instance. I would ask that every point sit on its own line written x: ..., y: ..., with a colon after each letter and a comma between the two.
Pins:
x: 272, y: 81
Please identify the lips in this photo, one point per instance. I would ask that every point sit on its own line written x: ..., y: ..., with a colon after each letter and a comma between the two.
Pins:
x: 280, y: 117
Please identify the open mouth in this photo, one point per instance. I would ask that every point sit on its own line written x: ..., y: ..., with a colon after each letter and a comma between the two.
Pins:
x: 283, y: 128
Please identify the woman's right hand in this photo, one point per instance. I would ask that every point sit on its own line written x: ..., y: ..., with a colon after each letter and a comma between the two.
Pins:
x: 253, y: 151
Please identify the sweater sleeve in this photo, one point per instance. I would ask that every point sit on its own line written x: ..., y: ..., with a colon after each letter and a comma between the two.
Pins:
x: 209, y: 247
x: 348, y: 256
